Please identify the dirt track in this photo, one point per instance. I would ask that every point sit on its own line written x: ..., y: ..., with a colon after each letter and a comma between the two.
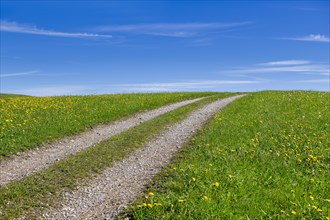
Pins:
x: 113, y: 189
x: 17, y: 167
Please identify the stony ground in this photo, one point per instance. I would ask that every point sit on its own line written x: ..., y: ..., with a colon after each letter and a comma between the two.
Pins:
x: 113, y: 189
x: 19, y: 166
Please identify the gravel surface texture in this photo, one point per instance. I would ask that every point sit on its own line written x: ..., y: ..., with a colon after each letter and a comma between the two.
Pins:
x: 26, y: 163
x: 112, y: 190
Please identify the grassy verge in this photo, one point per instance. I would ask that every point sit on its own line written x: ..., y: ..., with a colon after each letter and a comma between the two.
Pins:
x: 265, y: 156
x: 6, y: 95
x: 26, y: 122
x: 43, y: 189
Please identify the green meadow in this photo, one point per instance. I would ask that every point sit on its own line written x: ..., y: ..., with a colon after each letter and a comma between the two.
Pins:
x: 265, y: 156
x: 27, y: 122
x: 30, y: 195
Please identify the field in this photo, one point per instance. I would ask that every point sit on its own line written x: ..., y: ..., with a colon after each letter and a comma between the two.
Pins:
x: 5, y: 95
x: 266, y: 156
x: 29, y: 195
x: 27, y: 122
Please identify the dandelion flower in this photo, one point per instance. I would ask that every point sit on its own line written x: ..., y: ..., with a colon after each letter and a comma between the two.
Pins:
x: 216, y: 184
x: 205, y: 198
x: 150, y: 205
x: 293, y: 212
x: 151, y: 194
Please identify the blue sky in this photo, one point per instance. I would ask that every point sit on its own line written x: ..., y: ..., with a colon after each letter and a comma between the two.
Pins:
x: 96, y: 47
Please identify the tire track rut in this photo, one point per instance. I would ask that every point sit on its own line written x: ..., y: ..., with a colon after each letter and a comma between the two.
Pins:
x: 19, y: 166
x: 117, y: 186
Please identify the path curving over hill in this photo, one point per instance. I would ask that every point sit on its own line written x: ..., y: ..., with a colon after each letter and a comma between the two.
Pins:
x: 19, y: 166
x: 114, y: 188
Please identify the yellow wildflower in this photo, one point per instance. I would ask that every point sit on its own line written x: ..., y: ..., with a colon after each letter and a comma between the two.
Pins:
x: 205, y: 198
x: 311, y: 197
x: 151, y: 194
x: 150, y: 205
x: 293, y: 212
x: 181, y: 200
x: 216, y: 184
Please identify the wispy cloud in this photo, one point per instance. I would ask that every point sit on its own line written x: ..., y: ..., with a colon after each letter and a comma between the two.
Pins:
x: 285, y: 63
x: 19, y: 74
x: 169, y: 29
x: 311, y: 37
x: 181, y: 86
x: 286, y: 66
x: 314, y: 81
x: 52, y: 90
x: 6, y: 26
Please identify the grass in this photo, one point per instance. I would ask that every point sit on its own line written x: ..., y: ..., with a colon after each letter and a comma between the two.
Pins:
x: 265, y: 156
x: 26, y: 122
x: 6, y: 95
x: 29, y: 195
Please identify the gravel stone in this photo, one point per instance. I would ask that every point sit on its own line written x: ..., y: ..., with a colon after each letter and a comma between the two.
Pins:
x: 25, y: 163
x: 112, y: 190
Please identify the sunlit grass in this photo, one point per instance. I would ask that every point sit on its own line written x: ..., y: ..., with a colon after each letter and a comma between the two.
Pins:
x: 26, y: 122
x: 6, y: 95
x: 28, y: 196
x: 265, y: 156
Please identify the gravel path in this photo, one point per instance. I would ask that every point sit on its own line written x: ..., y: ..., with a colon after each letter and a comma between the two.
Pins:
x: 114, y: 188
x: 19, y: 166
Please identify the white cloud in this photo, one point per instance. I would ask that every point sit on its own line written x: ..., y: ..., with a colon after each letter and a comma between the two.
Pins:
x: 285, y: 63
x: 314, y: 81
x: 207, y: 85
x: 14, y: 27
x: 52, y: 90
x: 288, y: 66
x: 19, y: 74
x: 312, y: 37
x: 180, y: 86
x: 168, y: 29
